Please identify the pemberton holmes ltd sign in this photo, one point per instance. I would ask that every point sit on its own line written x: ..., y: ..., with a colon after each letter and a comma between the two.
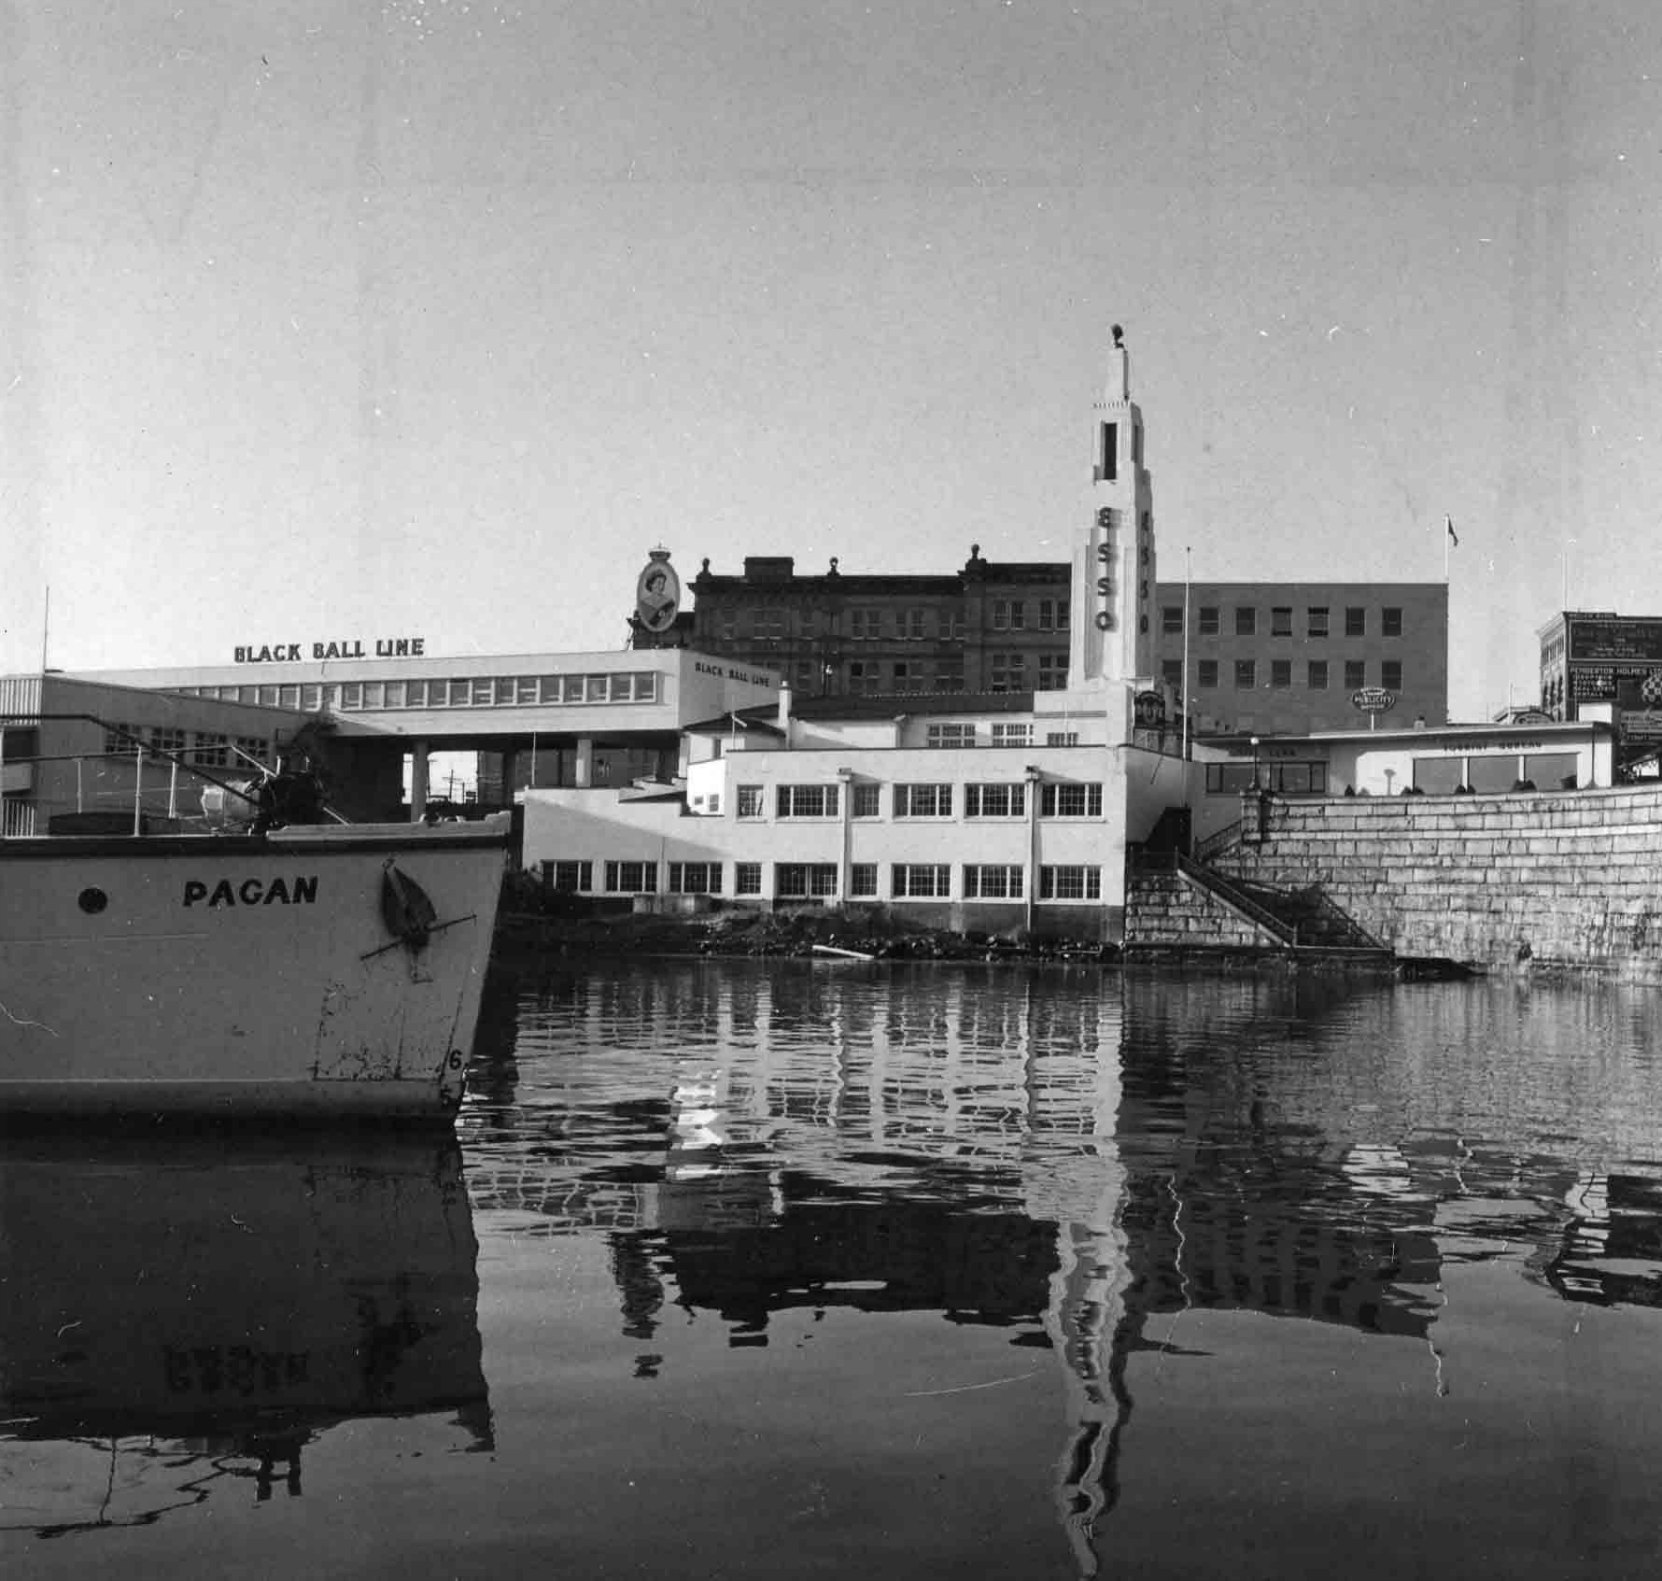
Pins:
x: 349, y: 648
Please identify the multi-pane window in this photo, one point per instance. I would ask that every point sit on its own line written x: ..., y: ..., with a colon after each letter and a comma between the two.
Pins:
x: 907, y: 674
x: 695, y: 878
x: 1281, y: 672
x: 210, y: 750
x: 568, y: 877
x: 916, y: 621
x: 920, y: 881
x: 950, y: 677
x: 1070, y: 883
x: 1316, y: 620
x: 1206, y: 673
x: 1070, y: 801
x: 1356, y: 674
x: 1061, y: 738
x: 1246, y: 621
x: 862, y: 879
x: 804, y: 880
x: 1390, y: 622
x: 864, y: 799
x: 1053, y: 672
x: 1012, y: 735
x: 750, y: 802
x: 163, y: 738
x: 865, y: 676
x: 1171, y: 620
x: 995, y: 801
x: 1246, y: 674
x: 806, y: 801
x: 950, y: 734
x: 251, y: 747
x: 1208, y: 620
x: 631, y: 878
x: 1053, y: 614
x: 1171, y: 672
x: 1356, y: 621
x: 923, y: 801
x: 1008, y: 673
x: 865, y: 625
x: 1390, y: 674
x: 1316, y: 675
x: 747, y: 878
x: 1281, y: 620
x: 770, y: 623
x: 992, y: 881
x: 1009, y: 614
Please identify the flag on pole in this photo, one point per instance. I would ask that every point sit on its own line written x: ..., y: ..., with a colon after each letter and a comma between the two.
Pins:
x: 1453, y: 536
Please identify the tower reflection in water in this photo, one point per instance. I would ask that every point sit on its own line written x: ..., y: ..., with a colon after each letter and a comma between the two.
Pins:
x: 1056, y: 1157
x: 181, y: 1313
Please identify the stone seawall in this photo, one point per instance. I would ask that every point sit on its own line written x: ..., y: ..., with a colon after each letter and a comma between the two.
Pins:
x: 1568, y: 879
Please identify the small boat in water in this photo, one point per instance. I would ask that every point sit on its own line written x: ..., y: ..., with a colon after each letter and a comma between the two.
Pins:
x: 320, y: 969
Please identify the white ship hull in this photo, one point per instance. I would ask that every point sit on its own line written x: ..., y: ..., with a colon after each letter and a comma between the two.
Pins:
x: 238, y: 974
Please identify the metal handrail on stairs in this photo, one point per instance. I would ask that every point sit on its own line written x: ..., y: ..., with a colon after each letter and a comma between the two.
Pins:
x: 1219, y: 841
x: 1261, y: 915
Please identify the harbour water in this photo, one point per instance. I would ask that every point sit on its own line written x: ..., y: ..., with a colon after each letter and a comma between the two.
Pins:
x: 799, y: 1269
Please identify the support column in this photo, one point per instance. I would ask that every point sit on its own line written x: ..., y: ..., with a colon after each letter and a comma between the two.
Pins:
x: 418, y: 780
x: 585, y: 762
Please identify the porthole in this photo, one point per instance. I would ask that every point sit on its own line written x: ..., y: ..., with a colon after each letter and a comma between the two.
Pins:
x: 92, y: 901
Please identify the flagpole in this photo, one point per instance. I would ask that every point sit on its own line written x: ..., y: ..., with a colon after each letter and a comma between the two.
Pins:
x: 1183, y: 701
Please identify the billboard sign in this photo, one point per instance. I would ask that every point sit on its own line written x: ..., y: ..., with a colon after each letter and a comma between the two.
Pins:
x: 1373, y: 700
x: 657, y: 593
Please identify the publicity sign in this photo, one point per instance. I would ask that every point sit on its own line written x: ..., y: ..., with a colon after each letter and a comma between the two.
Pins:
x: 657, y: 593
x: 1149, y: 710
x: 1373, y: 699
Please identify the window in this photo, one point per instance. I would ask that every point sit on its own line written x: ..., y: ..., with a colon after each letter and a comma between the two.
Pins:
x: 951, y: 735
x: 695, y: 878
x: 289, y: 696
x: 990, y: 881
x: 211, y: 751
x: 1009, y: 614
x: 1281, y: 672
x: 1390, y: 674
x: 747, y: 878
x: 116, y: 739
x: 161, y: 738
x: 1316, y: 620
x: 1206, y: 673
x: 1053, y: 614
x: 1171, y: 672
x: 631, y: 878
x: 1390, y: 622
x: 1009, y: 673
x: 804, y: 880
x: 1315, y: 675
x: 1110, y: 452
x: 1053, y: 672
x: 1226, y: 779
x: 1356, y: 674
x: 568, y: 877
x: 864, y: 676
x: 1208, y: 620
x: 920, y: 881
x: 806, y: 801
x: 1061, y: 738
x: 1246, y: 621
x: 916, y: 620
x: 252, y: 748
x: 750, y: 802
x: 1009, y: 735
x: 1171, y: 620
x: 1281, y: 620
x: 1070, y: 883
x: 907, y: 675
x: 351, y: 695
x: 1246, y: 675
x: 865, y: 625
x: 1356, y: 621
x: 646, y: 686
x: 923, y: 801
x: 714, y: 803
x: 950, y: 677
x: 1297, y: 779
x: 862, y: 879
x: 1070, y: 801
x: 995, y: 801
x: 770, y: 624
x: 864, y: 800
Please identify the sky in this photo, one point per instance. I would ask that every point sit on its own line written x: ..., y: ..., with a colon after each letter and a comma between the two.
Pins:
x: 330, y: 321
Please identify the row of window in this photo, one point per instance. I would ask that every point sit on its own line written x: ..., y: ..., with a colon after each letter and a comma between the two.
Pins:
x: 1435, y: 776
x: 1005, y: 672
x: 818, y: 880
x: 1317, y: 674
x: 205, y: 748
x: 923, y: 800
x: 477, y: 691
x: 917, y: 624
x: 1208, y: 621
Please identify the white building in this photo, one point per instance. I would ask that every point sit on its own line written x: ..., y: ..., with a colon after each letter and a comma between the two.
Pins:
x: 980, y: 813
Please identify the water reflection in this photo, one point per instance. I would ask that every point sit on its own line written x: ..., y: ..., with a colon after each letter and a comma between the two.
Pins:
x: 1078, y: 1161
x: 186, y: 1314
